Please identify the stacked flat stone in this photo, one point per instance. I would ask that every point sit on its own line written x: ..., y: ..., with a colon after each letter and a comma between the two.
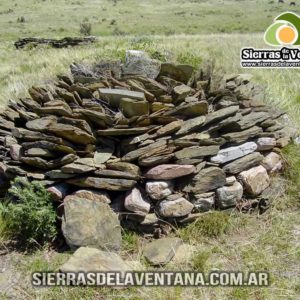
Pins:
x: 154, y: 142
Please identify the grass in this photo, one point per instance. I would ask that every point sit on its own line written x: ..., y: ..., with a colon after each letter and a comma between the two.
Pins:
x: 57, y: 18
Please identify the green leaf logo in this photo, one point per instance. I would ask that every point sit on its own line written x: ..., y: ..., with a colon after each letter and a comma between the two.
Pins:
x: 284, y: 31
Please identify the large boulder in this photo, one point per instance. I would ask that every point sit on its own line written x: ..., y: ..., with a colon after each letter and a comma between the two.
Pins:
x: 90, y: 223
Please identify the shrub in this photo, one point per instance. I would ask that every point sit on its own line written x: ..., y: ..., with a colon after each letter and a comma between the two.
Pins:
x: 85, y: 28
x: 21, y: 20
x: 27, y: 213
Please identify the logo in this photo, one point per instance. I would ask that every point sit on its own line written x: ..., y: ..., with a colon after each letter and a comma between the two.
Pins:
x: 284, y: 31
x: 284, y: 35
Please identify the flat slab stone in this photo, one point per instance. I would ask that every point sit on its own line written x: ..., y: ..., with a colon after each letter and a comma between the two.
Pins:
x: 161, y: 251
x: 132, y: 107
x: 190, y: 125
x: 114, y: 96
x: 116, y: 174
x: 124, y: 166
x: 197, y: 152
x: 86, y: 259
x: 232, y: 153
x: 90, y: 223
x: 182, y: 73
x: 221, y: 114
x: 242, y: 136
x: 171, y: 171
x: 255, y: 180
x: 111, y: 184
x: 122, y: 131
x: 243, y: 163
x: 191, y: 110
x: 169, y: 128
x: 206, y: 180
x: 76, y: 168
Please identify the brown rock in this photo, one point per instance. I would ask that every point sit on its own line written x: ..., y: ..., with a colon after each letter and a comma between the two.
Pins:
x: 167, y: 172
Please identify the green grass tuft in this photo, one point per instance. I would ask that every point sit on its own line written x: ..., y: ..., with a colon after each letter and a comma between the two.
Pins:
x: 213, y: 224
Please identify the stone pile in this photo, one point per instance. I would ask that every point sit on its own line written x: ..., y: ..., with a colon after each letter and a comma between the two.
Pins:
x: 153, y: 143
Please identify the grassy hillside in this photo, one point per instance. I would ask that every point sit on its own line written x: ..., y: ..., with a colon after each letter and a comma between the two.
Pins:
x: 53, y: 18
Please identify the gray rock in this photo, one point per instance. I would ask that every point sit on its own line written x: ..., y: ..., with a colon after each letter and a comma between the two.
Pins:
x: 122, y: 131
x: 139, y: 63
x: 221, y: 114
x: 116, y: 174
x: 175, y: 208
x: 230, y: 180
x: 243, y: 163
x: 255, y: 180
x: 242, y: 136
x: 15, y: 151
x: 39, y: 152
x: 206, y: 180
x: 136, y: 202
x: 132, y: 107
x: 232, y: 153
x: 190, y: 125
x: 90, y: 223
x: 114, y: 96
x: 161, y: 251
x: 86, y: 259
x: 182, y: 73
x: 180, y: 92
x: 265, y: 143
x: 76, y: 169
x: 228, y: 196
x: 58, y: 192
x: 197, y: 152
x: 191, y: 110
x: 93, y: 195
x: 58, y: 174
x: 103, y: 154
x: 204, y: 202
x: 111, y: 184
x: 158, y: 190
x: 250, y: 120
x: 272, y: 162
x: 169, y: 128
x: 124, y: 166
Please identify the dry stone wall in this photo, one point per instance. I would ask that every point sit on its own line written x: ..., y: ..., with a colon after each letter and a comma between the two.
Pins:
x: 153, y: 143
